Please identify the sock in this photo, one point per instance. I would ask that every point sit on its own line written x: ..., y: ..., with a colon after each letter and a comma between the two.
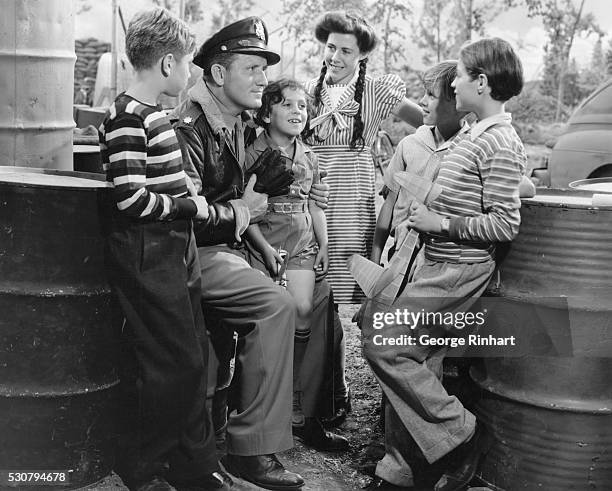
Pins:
x: 299, y: 350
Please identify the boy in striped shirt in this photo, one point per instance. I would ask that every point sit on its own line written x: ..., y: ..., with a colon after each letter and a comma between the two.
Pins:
x: 151, y: 256
x: 479, y: 206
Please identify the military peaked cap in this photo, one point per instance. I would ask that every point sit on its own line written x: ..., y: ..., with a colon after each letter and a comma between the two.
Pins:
x: 247, y: 36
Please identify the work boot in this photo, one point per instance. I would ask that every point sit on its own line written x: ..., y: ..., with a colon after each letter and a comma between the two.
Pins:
x: 463, y: 461
x: 312, y: 434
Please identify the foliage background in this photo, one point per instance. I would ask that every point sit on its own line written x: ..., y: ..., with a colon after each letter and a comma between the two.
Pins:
x: 417, y: 33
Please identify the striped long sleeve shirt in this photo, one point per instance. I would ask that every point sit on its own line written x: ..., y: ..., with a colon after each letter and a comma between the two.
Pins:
x: 142, y: 159
x: 480, y: 178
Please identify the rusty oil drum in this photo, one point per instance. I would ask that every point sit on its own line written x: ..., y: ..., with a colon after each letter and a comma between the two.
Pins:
x: 551, y: 417
x: 57, y: 370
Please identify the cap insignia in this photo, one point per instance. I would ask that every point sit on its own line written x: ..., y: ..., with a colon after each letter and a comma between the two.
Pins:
x: 187, y: 120
x: 259, y: 30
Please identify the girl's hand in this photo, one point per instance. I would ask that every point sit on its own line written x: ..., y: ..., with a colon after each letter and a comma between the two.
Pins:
x: 322, y: 260
x: 423, y: 220
x: 272, y: 260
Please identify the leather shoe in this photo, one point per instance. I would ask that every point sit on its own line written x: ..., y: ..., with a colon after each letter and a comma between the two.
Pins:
x: 264, y: 471
x: 155, y: 484
x: 312, y: 434
x: 382, y: 485
x: 463, y: 461
x: 215, y: 481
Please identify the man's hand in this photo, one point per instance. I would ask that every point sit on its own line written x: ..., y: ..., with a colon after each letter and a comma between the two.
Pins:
x: 202, y: 206
x: 257, y: 203
x: 423, y: 220
x: 319, y: 192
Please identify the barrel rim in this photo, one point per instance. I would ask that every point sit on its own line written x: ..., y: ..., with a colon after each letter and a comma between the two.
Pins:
x: 576, y: 185
x: 562, y: 192
x: 92, y: 176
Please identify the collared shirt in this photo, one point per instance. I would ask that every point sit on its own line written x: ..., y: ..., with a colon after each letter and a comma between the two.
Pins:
x: 480, y: 127
x: 232, y: 128
x: 303, y: 163
x: 414, y: 154
x: 480, y: 177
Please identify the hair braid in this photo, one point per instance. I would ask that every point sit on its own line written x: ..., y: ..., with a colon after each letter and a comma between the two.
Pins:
x: 309, y: 132
x: 319, y: 86
x: 357, y: 137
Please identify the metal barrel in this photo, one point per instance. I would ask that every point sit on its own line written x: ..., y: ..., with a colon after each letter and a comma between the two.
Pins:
x: 36, y: 83
x: 57, y: 363
x: 551, y: 417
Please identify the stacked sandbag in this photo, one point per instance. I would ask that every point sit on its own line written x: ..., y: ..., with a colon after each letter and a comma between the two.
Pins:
x: 88, y: 52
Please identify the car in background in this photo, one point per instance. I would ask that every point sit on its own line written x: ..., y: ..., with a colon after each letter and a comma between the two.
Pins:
x: 584, y: 151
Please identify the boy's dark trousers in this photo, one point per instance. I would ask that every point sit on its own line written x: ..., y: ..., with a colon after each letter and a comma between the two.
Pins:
x: 165, y: 429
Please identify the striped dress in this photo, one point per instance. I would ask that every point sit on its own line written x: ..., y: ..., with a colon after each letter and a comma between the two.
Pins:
x: 351, y: 217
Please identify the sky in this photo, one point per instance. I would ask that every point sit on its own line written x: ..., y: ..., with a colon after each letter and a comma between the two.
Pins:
x: 527, y: 35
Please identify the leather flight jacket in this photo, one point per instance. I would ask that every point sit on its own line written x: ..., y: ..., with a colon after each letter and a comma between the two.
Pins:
x: 209, y: 159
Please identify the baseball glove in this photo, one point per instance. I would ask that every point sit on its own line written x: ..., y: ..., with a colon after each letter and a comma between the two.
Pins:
x: 273, y: 177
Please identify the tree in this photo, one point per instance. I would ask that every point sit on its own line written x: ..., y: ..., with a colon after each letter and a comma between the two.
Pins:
x: 192, y: 9
x: 300, y: 20
x: 428, y: 32
x: 609, y: 59
x: 596, y: 73
x: 563, y: 21
x: 444, y: 26
x: 230, y: 11
x: 387, y: 14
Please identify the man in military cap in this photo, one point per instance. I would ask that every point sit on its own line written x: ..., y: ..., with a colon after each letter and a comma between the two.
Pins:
x: 213, y: 129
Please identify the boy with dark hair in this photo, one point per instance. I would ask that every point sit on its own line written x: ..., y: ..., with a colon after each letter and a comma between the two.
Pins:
x: 297, y: 225
x: 478, y: 206
x: 152, y: 260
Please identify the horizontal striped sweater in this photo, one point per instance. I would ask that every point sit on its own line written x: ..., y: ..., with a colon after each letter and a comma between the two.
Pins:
x: 480, y: 178
x: 142, y: 159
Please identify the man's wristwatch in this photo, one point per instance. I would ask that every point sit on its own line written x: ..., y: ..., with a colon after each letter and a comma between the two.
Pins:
x: 445, y: 225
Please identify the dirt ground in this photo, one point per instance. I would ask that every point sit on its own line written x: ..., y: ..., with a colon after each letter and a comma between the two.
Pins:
x: 326, y: 471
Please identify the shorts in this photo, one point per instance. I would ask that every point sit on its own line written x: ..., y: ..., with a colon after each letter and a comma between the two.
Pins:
x: 294, y: 233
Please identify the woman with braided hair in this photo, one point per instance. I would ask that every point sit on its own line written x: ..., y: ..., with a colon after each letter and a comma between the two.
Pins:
x: 349, y: 107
